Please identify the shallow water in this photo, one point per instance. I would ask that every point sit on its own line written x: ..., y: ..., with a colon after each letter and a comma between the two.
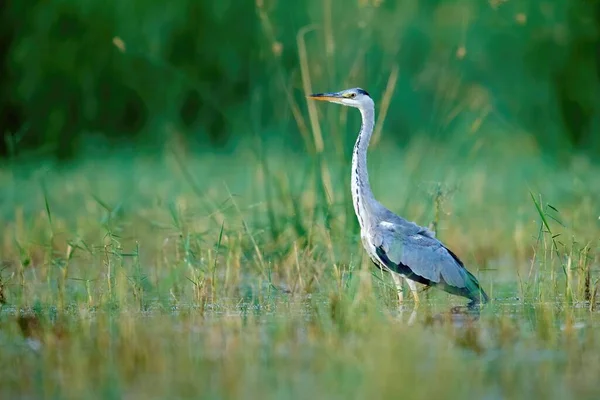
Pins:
x: 299, y: 347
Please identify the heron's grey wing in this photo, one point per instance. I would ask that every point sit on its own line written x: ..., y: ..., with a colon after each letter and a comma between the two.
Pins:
x: 423, y: 259
x: 407, y: 226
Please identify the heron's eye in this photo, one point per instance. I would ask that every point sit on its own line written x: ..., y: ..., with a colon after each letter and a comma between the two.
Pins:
x: 352, y: 95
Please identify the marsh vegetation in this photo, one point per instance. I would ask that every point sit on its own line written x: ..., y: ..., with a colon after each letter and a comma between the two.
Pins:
x: 215, y: 252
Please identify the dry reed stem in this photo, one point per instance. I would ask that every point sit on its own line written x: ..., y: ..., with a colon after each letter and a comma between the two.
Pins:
x: 385, y: 104
x: 270, y: 34
x: 307, y: 86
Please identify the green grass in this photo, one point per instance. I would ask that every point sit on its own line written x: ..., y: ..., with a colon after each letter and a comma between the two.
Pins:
x: 242, y: 276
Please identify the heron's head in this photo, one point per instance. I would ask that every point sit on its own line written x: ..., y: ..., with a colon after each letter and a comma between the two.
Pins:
x: 356, y: 97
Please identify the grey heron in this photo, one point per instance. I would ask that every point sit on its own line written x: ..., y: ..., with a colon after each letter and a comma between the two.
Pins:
x: 396, y: 245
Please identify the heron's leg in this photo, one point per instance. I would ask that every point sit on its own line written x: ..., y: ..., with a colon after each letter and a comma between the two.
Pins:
x: 413, y: 288
x: 398, y: 281
x: 413, y: 317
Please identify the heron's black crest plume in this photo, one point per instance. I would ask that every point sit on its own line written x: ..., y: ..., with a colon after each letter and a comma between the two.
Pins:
x: 362, y: 91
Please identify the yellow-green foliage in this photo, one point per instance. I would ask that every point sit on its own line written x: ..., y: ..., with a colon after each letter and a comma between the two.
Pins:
x: 183, y: 277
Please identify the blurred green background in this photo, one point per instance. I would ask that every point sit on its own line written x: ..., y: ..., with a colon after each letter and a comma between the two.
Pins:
x: 86, y: 75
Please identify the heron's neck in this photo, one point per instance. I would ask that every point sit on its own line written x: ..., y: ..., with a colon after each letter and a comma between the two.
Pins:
x: 362, y: 196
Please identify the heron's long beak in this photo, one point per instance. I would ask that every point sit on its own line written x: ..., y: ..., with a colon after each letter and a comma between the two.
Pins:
x: 334, y: 97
